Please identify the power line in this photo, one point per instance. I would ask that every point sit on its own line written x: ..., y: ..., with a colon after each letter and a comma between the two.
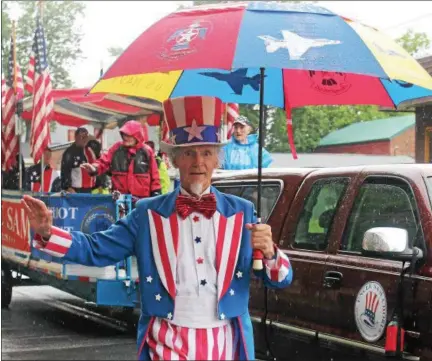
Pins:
x: 409, y: 21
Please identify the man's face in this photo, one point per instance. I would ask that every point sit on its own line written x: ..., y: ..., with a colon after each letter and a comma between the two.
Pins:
x: 81, y: 139
x: 196, y: 166
x: 129, y: 141
x: 241, y: 132
x: 47, y: 157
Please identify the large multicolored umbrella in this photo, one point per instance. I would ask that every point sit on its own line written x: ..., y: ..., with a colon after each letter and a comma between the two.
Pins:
x: 305, y: 54
x: 311, y: 55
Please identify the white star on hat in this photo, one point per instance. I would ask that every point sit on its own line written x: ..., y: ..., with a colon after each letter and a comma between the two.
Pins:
x: 194, y: 131
x: 158, y: 297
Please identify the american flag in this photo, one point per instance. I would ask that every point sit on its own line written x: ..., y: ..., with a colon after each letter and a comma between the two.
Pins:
x: 38, y: 82
x: 3, y: 90
x: 232, y: 112
x: 12, y: 92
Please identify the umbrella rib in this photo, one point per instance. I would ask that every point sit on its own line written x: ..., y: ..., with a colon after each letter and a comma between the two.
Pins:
x: 176, y: 83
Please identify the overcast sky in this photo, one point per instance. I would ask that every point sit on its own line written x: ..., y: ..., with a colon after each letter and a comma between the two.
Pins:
x: 118, y: 23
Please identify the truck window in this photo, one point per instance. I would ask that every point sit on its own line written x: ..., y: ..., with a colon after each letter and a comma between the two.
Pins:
x: 270, y: 194
x: 317, y: 215
x: 380, y: 203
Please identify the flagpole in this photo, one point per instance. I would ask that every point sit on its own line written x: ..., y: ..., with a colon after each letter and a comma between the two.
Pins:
x: 101, y: 69
x: 225, y: 123
x: 40, y: 5
x: 17, y: 109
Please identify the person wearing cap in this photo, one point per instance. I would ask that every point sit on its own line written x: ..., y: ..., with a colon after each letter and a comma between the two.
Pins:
x: 163, y: 170
x: 131, y: 163
x: 52, y: 182
x: 74, y: 179
x: 193, y: 247
x: 242, y: 150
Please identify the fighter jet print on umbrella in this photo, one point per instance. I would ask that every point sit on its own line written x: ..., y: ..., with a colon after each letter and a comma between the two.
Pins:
x: 296, y: 45
x: 236, y: 79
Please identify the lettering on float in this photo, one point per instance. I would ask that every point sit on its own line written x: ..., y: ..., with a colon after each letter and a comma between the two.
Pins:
x: 16, y: 221
x: 15, y: 231
x: 62, y: 213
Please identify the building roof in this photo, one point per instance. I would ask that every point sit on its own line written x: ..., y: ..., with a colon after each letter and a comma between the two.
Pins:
x: 325, y: 160
x: 370, y: 131
x: 426, y: 62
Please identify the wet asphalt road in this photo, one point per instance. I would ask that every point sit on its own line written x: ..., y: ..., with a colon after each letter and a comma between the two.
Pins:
x: 43, y: 323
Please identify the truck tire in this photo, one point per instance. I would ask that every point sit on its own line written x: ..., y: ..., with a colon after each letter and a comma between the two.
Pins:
x: 6, y: 286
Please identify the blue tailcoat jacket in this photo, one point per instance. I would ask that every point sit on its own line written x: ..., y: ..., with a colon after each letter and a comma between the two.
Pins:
x: 132, y: 235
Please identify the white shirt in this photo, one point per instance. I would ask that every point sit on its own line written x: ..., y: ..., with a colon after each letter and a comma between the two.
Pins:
x: 196, y: 275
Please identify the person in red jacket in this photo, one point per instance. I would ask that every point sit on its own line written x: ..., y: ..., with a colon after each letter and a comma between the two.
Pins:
x: 131, y: 163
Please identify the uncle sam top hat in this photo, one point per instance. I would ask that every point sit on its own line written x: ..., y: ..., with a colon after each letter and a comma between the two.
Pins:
x: 191, y: 121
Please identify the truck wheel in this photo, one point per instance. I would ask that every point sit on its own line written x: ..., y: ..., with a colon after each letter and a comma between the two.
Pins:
x: 6, y: 287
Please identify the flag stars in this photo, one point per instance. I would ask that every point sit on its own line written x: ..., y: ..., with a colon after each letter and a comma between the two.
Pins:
x: 231, y: 292
x: 239, y: 274
x: 222, y: 316
x: 203, y: 282
x: 149, y: 279
x: 158, y: 297
x: 194, y: 131
x: 169, y: 316
x: 198, y: 240
x: 200, y: 260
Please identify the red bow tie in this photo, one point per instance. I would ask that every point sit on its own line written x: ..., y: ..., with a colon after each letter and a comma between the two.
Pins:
x: 206, y: 205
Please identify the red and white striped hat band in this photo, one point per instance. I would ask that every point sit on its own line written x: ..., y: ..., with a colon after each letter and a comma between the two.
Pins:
x: 193, y: 120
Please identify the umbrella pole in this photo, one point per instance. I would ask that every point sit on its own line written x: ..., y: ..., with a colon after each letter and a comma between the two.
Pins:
x: 257, y: 254
x: 260, y: 142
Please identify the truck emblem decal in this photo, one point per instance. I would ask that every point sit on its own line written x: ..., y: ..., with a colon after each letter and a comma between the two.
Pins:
x: 371, y: 311
x: 371, y: 306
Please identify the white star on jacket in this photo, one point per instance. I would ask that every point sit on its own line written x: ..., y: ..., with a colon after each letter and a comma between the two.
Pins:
x: 194, y: 131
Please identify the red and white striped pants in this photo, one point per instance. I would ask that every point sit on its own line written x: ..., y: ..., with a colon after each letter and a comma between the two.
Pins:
x: 170, y: 342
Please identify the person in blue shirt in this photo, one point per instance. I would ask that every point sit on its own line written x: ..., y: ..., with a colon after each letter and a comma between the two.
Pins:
x: 242, y: 150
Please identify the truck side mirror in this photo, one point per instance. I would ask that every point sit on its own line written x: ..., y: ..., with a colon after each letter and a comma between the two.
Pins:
x: 389, y: 243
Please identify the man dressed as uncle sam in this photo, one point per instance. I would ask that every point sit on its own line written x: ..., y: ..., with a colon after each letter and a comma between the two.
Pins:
x: 193, y: 247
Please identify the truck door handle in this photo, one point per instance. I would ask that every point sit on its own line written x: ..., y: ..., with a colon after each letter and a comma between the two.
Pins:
x: 332, y: 279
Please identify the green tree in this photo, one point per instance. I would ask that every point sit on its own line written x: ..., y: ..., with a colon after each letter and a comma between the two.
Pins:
x: 115, y: 51
x: 413, y: 42
x: 62, y: 34
x: 314, y: 122
x: 5, y: 31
